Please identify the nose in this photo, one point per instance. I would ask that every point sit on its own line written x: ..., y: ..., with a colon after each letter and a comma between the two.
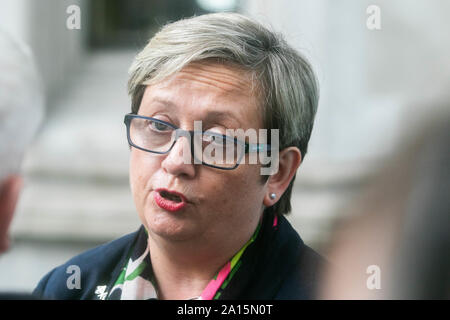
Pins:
x: 179, y: 160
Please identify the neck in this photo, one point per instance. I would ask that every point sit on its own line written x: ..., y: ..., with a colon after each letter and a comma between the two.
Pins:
x: 183, y: 269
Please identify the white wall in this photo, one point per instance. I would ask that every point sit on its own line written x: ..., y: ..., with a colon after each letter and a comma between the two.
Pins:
x: 370, y: 80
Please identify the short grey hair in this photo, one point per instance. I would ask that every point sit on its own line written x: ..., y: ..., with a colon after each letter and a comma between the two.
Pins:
x: 287, y: 85
x: 21, y: 102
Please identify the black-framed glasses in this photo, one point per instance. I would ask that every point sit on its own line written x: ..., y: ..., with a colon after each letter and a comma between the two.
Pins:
x: 208, y: 148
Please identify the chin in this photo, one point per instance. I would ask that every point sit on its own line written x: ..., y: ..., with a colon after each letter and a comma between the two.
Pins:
x: 169, y: 226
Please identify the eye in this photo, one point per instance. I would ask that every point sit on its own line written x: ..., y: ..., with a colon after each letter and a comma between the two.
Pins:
x: 217, y: 140
x: 159, y: 127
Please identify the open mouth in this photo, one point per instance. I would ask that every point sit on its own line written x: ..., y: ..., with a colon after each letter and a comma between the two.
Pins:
x: 170, y: 201
x: 170, y: 196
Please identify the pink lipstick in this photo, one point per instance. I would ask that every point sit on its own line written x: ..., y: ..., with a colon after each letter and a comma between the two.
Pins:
x: 169, y: 200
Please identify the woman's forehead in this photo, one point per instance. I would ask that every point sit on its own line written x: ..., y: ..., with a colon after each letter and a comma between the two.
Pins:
x: 225, y: 77
x: 210, y: 90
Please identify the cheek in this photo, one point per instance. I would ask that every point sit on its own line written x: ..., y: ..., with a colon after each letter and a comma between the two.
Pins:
x: 241, y: 203
x: 250, y: 179
x: 142, y: 168
x: 243, y: 190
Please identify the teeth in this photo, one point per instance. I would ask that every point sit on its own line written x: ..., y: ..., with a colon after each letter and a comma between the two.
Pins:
x: 170, y: 196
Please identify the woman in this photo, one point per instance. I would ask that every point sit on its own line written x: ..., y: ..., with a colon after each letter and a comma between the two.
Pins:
x: 212, y: 224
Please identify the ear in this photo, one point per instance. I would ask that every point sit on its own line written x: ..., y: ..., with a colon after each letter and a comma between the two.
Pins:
x: 9, y: 194
x: 289, y: 160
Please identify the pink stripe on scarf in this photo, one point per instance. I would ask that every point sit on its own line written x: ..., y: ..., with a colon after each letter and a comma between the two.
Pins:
x: 214, y: 284
x: 275, y: 221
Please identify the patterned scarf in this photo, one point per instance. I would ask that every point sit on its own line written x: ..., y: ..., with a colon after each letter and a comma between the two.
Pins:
x: 136, y: 280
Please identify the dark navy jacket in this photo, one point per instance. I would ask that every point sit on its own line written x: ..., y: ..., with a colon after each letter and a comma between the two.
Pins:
x: 285, y: 268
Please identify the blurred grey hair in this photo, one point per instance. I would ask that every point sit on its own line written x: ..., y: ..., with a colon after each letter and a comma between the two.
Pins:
x: 21, y: 102
x: 286, y: 83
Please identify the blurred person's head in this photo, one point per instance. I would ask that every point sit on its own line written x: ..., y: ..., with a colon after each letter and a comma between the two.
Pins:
x: 229, y: 72
x: 395, y: 240
x: 21, y: 109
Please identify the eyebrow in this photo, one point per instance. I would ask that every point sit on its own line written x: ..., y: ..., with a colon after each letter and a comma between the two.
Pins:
x: 211, y: 116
